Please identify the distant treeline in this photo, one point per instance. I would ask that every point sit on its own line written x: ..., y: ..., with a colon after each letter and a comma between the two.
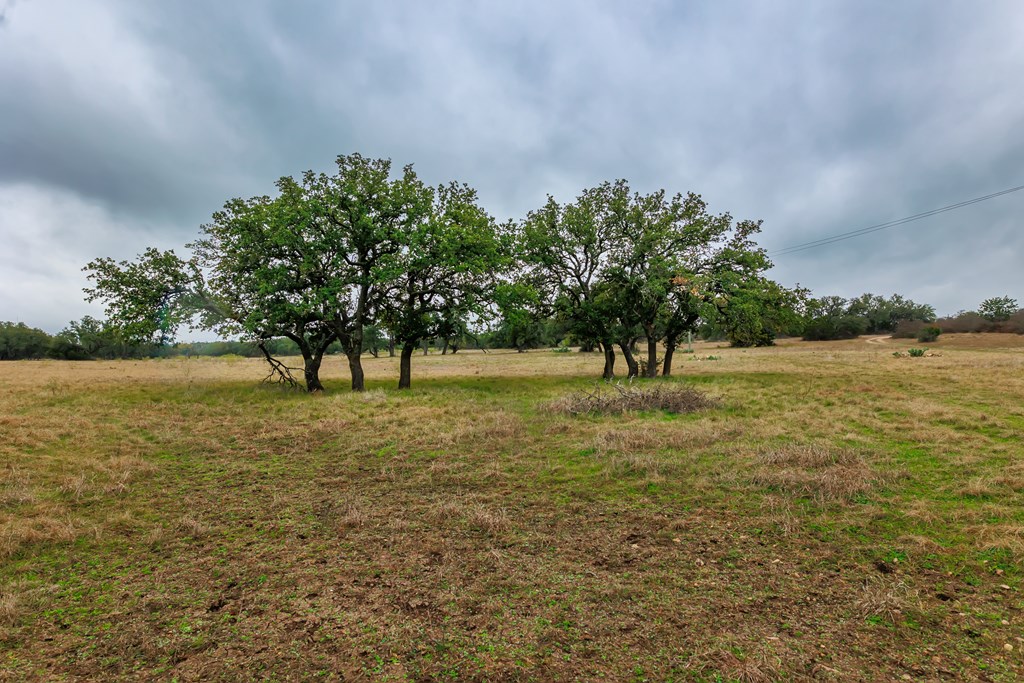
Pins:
x: 826, y: 318
x: 92, y: 339
x: 834, y: 317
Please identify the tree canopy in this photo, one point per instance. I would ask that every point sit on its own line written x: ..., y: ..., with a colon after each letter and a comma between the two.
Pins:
x: 333, y: 258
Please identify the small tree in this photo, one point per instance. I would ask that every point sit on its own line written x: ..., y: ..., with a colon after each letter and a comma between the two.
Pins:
x: 997, y: 309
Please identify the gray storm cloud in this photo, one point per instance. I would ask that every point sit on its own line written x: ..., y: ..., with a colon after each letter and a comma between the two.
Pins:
x: 126, y: 124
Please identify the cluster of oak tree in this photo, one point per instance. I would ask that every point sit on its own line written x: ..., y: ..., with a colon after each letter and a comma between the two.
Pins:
x: 333, y: 255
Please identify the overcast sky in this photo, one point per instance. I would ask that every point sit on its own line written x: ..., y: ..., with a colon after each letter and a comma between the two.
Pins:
x: 125, y: 124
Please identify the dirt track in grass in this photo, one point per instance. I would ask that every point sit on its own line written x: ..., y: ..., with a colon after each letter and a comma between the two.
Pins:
x: 842, y: 514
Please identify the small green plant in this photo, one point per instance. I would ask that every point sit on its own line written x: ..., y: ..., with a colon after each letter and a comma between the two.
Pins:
x: 916, y: 353
x: 562, y: 349
x: 898, y: 354
x: 929, y: 334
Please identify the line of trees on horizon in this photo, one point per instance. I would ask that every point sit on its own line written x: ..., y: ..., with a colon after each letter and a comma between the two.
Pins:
x: 93, y: 339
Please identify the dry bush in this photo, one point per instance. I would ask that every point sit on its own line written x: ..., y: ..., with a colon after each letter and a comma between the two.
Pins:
x: 651, y: 467
x: 446, y: 509
x: 355, y: 516
x: 759, y: 667
x: 817, y: 471
x: 615, y: 399
x: 21, y: 532
x: 16, y: 486
x: 188, y: 525
x: 75, y: 486
x: 972, y: 322
x: 979, y: 487
x: 10, y: 606
x: 780, y: 512
x: 1012, y: 478
x: 493, y: 521
x: 886, y: 599
x: 989, y: 536
x: 628, y: 440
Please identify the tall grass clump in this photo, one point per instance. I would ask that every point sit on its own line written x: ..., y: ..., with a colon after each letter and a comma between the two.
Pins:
x: 616, y: 399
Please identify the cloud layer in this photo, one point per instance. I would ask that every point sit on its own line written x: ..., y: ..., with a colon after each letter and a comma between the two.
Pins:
x: 127, y: 124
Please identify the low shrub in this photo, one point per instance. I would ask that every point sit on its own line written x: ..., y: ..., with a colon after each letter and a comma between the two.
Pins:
x: 827, y: 328
x: 616, y: 399
x: 908, y: 329
x: 929, y: 334
x: 916, y: 353
x: 973, y: 322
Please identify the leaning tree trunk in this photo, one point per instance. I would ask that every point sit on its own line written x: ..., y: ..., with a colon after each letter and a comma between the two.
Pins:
x: 670, y: 349
x: 627, y: 352
x: 405, y: 366
x: 609, y: 361
x: 311, y: 369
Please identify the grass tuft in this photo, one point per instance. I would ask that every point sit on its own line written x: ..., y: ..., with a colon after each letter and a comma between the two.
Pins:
x: 618, y: 398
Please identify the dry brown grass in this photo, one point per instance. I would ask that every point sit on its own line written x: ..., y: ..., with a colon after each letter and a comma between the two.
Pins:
x: 463, y: 529
x: 888, y: 599
x: 818, y: 471
x: 617, y: 398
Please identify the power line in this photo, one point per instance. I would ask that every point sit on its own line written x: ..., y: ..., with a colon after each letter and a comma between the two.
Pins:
x: 889, y: 224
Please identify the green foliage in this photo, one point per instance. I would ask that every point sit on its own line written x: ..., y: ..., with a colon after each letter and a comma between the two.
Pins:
x: 18, y: 341
x: 343, y: 257
x: 443, y: 272
x: 841, y: 327
x: 146, y: 299
x: 620, y: 265
x: 997, y: 309
x: 929, y: 334
x: 916, y: 353
x: 834, y: 317
x: 758, y: 309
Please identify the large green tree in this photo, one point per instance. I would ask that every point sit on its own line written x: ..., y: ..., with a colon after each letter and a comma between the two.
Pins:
x: 443, y: 271
x: 270, y: 273
x: 565, y: 251
x: 363, y: 214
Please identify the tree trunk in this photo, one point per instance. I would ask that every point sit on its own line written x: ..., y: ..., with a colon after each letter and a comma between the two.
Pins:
x: 405, y: 371
x: 670, y: 349
x: 627, y: 352
x: 311, y: 370
x: 355, y: 366
x: 391, y: 346
x: 609, y: 361
x: 426, y: 347
x: 652, y: 357
x: 444, y: 349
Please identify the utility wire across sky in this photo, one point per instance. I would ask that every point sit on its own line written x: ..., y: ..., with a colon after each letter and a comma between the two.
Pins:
x: 889, y: 224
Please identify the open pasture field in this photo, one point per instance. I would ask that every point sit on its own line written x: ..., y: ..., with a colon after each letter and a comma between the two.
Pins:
x: 842, y: 514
